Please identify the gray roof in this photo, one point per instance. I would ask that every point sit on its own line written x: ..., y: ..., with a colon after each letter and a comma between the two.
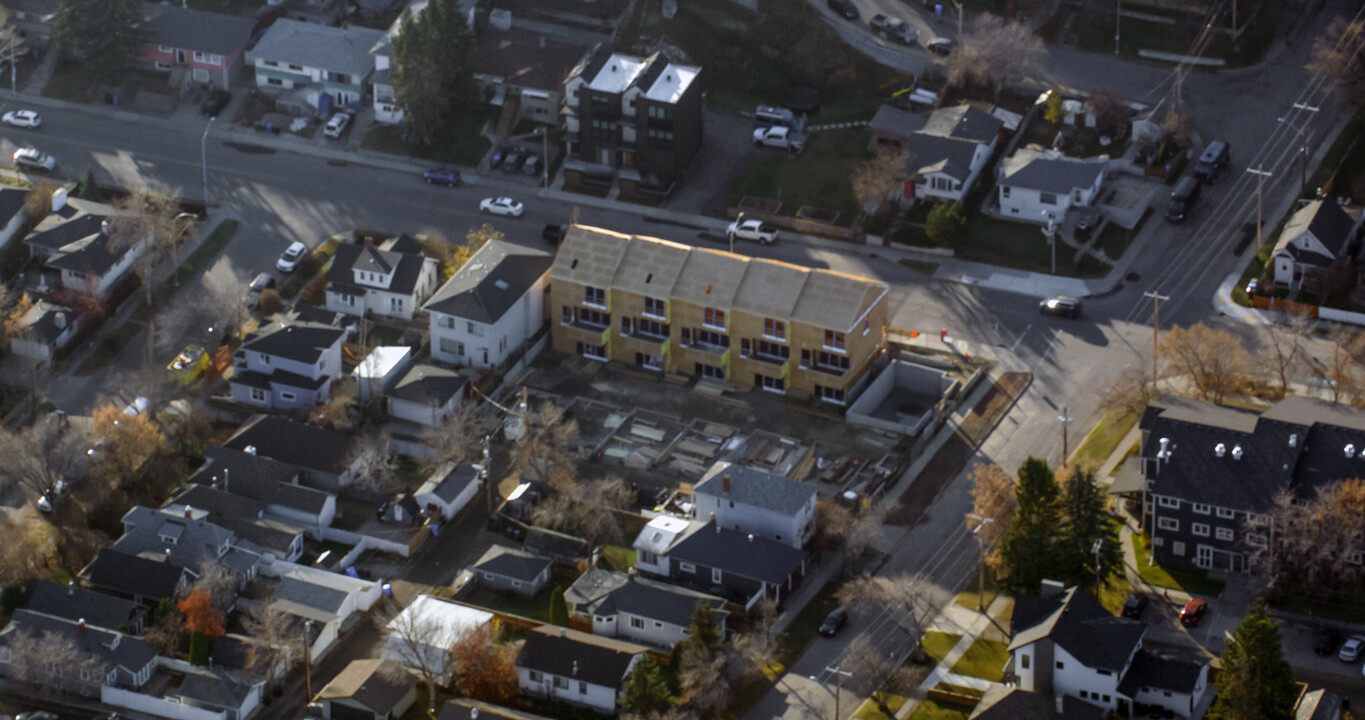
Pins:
x: 295, y: 443
x: 948, y: 155
x: 511, y: 563
x: 577, y: 655
x: 605, y: 592
x: 301, y: 342
x: 47, y: 322
x: 347, y: 50
x: 198, y: 30
x: 258, y: 478
x: 428, y: 385
x: 241, y: 515
x: 212, y: 686
x: 469, y: 709
x: 756, y: 488
x: 739, y: 554
x: 125, y: 652
x: 75, y: 220
x: 128, y: 574
x: 306, y: 594
x: 965, y: 122
x: 1153, y: 670
x: 1077, y: 623
x: 183, y: 541
x: 484, y: 288
x: 11, y: 203
x: 73, y: 602
x: 1315, y: 705
x: 405, y: 267
x: 1002, y: 702
x: 1039, y: 171
x: 376, y: 684
x: 895, y: 121
x: 454, y: 478
x: 1326, y: 221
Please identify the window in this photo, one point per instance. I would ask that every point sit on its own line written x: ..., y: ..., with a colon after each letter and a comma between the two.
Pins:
x: 774, y: 329
x: 716, y: 575
x: 597, y: 297
x: 287, y: 395
x: 582, y: 688
x: 257, y: 395
x: 274, y: 81
x: 534, y: 675
x: 745, y: 347
x: 1200, y: 529
x: 942, y: 183
x: 1227, y: 513
x: 476, y: 329
x: 1004, y: 191
x: 561, y: 682
x: 657, y: 112
x: 168, y: 48
x: 1258, y: 519
x: 1255, y: 540
x: 651, y: 328
x: 1168, y: 523
x: 637, y: 623
x: 265, y: 359
x: 566, y: 316
x: 1104, y: 672
x: 1355, y: 557
x: 1225, y: 534
x: 1105, y: 698
x: 687, y: 567
x: 665, y: 135
x: 658, y: 625
x: 516, y: 583
x: 1061, y: 665
x: 592, y: 352
x: 626, y: 326
x: 829, y: 394
x: 1023, y: 662
x: 594, y: 318
x: 295, y: 67
x: 1085, y: 694
x: 831, y: 361
x: 656, y: 307
x: 396, y: 304
x: 710, y: 371
x: 85, y: 675
x: 1178, y: 548
x: 1047, y: 198
x: 446, y: 322
x: 1202, y: 509
x: 714, y: 318
x: 1169, y: 502
x: 685, y: 337
x: 771, y: 384
x: 805, y: 358
x: 834, y: 340
x: 707, y: 337
x: 773, y: 350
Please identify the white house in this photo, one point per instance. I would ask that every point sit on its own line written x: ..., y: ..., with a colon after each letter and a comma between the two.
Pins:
x: 1318, y: 236
x: 448, y: 489
x: 116, y: 660
x: 946, y: 156
x: 1067, y: 644
x: 284, y: 366
x: 420, y: 637
x: 651, y: 545
x: 47, y: 329
x: 379, y: 370
x: 325, y: 67
x: 326, y: 598
x: 1036, y: 185
x: 81, y: 242
x: 426, y: 394
x: 390, y: 279
x: 752, y: 501
x: 638, y: 610
x: 273, y: 483
x: 12, y: 213
x: 490, y: 307
x: 575, y: 667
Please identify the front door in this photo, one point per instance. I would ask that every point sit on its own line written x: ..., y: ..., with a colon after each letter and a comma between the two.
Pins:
x: 180, y: 57
x: 1123, y: 707
x: 1203, y: 556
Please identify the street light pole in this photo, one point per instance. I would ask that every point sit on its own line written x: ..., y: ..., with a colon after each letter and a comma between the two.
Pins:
x: 1261, y: 175
x: 1095, y: 550
x: 307, y: 661
x: 204, y: 156
x: 1156, y: 324
x: 545, y: 156
x: 981, y: 570
x: 1051, y: 232
x: 1065, y: 421
x: 1118, y: 16
x: 839, y: 675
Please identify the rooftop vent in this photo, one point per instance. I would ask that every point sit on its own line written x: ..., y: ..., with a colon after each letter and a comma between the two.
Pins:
x: 1350, y: 450
x: 1219, y: 449
x: 1236, y: 452
x: 1293, y: 439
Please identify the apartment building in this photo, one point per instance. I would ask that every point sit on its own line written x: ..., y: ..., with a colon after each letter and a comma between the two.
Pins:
x: 668, y: 307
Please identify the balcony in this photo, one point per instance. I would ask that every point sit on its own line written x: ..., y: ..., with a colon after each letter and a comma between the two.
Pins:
x: 707, y: 347
x: 829, y: 369
x: 769, y: 358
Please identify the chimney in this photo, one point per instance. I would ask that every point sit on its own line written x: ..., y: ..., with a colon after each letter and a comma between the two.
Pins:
x: 189, y: 513
x: 80, y: 626
x: 474, y: 712
x: 369, y: 241
x: 1219, y: 449
x: 1293, y: 439
x: 58, y: 199
x: 725, y: 482
x: 59, y: 319
x: 1052, y: 588
x: 1236, y: 452
x: 1164, y: 453
x: 563, y: 632
x: 575, y: 668
x: 1060, y: 703
x: 250, y: 450
x: 104, y: 226
x: 1350, y: 450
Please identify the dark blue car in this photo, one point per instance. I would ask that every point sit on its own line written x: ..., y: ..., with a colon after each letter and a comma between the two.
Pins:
x: 442, y: 176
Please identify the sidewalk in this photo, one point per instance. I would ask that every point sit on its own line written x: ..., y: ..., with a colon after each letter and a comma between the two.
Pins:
x: 970, y: 624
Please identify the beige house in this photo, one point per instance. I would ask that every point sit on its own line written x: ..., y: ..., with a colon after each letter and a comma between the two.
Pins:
x: 668, y: 307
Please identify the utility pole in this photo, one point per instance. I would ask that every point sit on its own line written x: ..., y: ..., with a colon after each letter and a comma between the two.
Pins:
x: 1156, y: 324
x: 1065, y: 421
x: 839, y: 676
x: 483, y: 468
x: 1261, y: 175
x: 307, y: 661
x: 1051, y: 232
x: 981, y: 572
x: 1118, y: 17
x: 1095, y: 550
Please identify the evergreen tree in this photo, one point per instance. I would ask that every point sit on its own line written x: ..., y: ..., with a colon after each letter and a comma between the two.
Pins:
x: 1087, y: 520
x: 1256, y: 683
x: 645, y: 690
x: 1028, y: 550
x: 944, y: 223
x: 433, y: 76
x: 703, y: 632
x: 105, y: 36
x: 559, y: 608
x: 199, y: 648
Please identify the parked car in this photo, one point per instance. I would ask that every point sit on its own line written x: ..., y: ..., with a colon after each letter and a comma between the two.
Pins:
x: 760, y: 232
x: 836, y: 619
x: 291, y: 256
x: 533, y: 165
x: 1350, y: 652
x: 22, y: 118
x: 1061, y: 306
x: 499, y: 156
x: 1253, y: 285
x: 1192, y: 612
x: 941, y: 46
x: 553, y: 234
x: 1183, y: 197
x: 337, y: 125
x: 514, y: 159
x: 442, y: 176
x: 1135, y: 605
x: 844, y: 8
x: 34, y: 159
x: 1211, y: 161
x: 502, y: 206
x: 36, y: 715
x: 259, y: 284
x: 218, y: 99
x: 1326, y: 641
x: 779, y: 137
x: 894, y: 29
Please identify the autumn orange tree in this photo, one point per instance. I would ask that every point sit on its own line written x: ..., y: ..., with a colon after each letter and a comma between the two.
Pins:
x: 125, y: 441
x: 993, y: 498
x: 201, y: 615
x: 487, y: 670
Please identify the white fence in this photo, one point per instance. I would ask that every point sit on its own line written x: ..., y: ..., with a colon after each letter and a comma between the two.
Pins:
x: 160, y: 707
x: 1341, y: 316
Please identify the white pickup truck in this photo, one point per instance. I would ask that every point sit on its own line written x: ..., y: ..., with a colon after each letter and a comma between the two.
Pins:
x: 780, y: 137
x: 758, y: 231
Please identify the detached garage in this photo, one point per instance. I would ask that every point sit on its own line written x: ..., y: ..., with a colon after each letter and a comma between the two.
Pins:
x: 369, y: 690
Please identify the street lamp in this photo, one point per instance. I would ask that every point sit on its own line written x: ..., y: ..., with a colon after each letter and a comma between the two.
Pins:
x: 981, y: 545
x: 839, y: 675
x: 307, y: 661
x: 204, y: 156
x: 1065, y: 421
x: 1261, y: 175
x: 1051, y: 232
x: 1095, y: 550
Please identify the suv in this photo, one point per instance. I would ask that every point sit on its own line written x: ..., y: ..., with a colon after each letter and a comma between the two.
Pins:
x: 1212, y: 161
x: 218, y: 100
x: 836, y: 619
x: 1183, y: 198
x: 1061, y: 306
x: 336, y: 125
x: 1193, y: 611
x: 33, y: 159
x: 940, y: 46
x: 779, y: 137
x: 894, y: 29
x: 1136, y: 603
x: 845, y: 8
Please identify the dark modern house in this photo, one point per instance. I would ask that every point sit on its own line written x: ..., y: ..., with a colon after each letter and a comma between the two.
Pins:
x: 637, y: 118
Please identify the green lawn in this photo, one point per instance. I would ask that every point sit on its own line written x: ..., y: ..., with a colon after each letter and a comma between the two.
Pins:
x: 803, y: 628
x: 1101, y: 442
x: 985, y: 659
x: 617, y: 558
x: 818, y: 177
x: 1018, y: 245
x: 1114, y: 594
x: 937, y: 644
x: 1335, y: 157
x: 1115, y: 239
x: 972, y: 599
x: 1191, y: 580
x: 869, y: 710
x: 940, y: 710
x: 461, y: 143
x: 69, y: 83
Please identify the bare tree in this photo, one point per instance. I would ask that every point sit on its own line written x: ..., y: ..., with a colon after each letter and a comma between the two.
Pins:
x: 49, y: 661
x: 215, y: 580
x: 339, y: 411
x: 198, y: 314
x: 372, y: 465
x: 911, y: 599
x: 868, y: 669
x: 1214, y: 361
x: 1282, y: 347
x: 423, y: 643
x: 125, y: 442
x: 588, y: 509
x: 1311, y: 544
x: 1339, y: 55
x: 855, y: 530
x: 487, y: 670
x: 546, y: 453
x: 273, y: 648
x: 993, y: 498
x: 997, y: 52
x: 28, y: 548
x: 1131, y: 392
x: 456, y: 438
x: 874, y: 181
x: 39, y: 456
x: 1343, y: 367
